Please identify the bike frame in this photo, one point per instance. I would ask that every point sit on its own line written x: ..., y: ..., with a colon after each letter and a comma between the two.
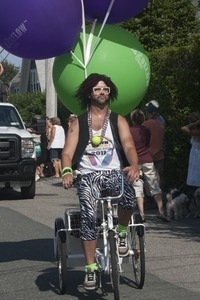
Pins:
x: 107, y: 225
x: 67, y: 234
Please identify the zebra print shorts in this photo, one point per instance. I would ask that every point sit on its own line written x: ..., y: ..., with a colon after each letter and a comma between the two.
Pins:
x: 109, y: 181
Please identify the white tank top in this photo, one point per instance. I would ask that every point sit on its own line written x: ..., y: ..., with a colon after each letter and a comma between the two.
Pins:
x: 59, y: 138
x: 101, y: 158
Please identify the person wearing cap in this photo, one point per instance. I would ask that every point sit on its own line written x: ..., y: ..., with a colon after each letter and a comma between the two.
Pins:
x: 141, y: 137
x: 153, y: 108
x: 157, y: 130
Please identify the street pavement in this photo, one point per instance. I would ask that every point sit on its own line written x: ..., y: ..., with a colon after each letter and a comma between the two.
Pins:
x: 28, y: 269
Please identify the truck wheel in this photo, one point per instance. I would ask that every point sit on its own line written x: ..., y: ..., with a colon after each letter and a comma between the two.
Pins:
x: 28, y: 192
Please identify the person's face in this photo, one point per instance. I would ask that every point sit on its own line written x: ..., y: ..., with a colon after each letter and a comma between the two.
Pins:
x: 49, y: 123
x: 100, y: 93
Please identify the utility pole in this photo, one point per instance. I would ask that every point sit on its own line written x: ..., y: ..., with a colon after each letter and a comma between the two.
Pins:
x: 51, y: 96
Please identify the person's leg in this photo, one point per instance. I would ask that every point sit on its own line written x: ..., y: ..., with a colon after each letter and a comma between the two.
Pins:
x: 56, y: 167
x: 88, y: 230
x: 41, y: 170
x: 59, y: 167
x: 59, y: 161
x: 37, y: 173
x: 140, y: 203
x: 54, y: 158
x: 124, y: 216
x: 139, y: 193
x: 89, y: 251
x: 126, y: 206
x: 159, y: 166
x: 159, y: 202
x: 155, y: 190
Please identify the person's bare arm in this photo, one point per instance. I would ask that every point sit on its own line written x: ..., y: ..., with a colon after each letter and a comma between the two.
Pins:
x: 71, y: 142
x: 129, y: 149
x: 193, y: 129
x: 53, y: 132
x: 185, y: 129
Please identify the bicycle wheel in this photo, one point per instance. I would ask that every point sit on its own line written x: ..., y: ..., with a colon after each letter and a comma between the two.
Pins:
x: 138, y: 256
x: 114, y: 264
x: 61, y: 254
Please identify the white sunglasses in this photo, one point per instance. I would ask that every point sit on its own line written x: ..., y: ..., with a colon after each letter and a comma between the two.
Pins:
x: 98, y: 90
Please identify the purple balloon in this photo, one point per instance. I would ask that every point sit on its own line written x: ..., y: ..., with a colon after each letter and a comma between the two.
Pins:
x: 39, y: 29
x: 122, y: 9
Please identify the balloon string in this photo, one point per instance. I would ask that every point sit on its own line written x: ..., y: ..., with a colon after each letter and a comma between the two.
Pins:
x: 89, y: 43
x: 100, y: 31
x: 84, y: 37
x: 80, y: 62
x: 87, y: 52
x: 84, y: 41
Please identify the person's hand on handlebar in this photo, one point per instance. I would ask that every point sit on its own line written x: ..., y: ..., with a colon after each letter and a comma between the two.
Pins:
x: 132, y: 173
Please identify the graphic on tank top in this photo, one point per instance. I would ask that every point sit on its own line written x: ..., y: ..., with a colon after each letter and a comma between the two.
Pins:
x: 100, y: 155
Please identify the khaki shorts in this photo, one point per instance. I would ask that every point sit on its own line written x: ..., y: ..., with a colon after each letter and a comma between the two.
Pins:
x: 139, y: 188
x: 148, y: 172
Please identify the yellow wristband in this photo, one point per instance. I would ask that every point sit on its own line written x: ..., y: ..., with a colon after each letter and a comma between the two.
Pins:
x: 67, y: 173
x: 66, y: 169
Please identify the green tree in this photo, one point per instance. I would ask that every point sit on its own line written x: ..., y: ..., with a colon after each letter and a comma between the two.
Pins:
x: 175, y: 81
x: 35, y: 104
x: 165, y: 24
x: 29, y: 105
x: 9, y: 72
x: 169, y: 31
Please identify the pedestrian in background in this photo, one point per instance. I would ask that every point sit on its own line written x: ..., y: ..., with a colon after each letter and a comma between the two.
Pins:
x: 157, y: 132
x: 153, y: 107
x: 56, y: 144
x: 141, y: 136
x: 193, y: 174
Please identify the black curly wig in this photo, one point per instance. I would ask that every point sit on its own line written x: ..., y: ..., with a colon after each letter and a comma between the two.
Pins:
x: 84, y: 91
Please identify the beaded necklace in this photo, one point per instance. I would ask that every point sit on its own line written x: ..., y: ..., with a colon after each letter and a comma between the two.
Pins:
x: 97, y: 140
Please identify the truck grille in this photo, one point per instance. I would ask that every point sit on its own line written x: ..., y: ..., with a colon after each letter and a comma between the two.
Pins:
x: 9, y: 149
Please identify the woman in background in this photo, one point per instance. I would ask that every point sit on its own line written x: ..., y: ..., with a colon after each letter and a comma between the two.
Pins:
x: 56, y: 144
x: 193, y: 174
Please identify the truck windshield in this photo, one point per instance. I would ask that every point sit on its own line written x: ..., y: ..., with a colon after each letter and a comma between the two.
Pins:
x: 10, y: 118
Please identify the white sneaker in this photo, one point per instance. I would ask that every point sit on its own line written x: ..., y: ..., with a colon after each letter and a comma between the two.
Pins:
x: 90, y: 282
x: 123, y: 244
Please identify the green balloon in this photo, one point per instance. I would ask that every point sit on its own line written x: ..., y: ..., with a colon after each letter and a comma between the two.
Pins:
x: 118, y: 54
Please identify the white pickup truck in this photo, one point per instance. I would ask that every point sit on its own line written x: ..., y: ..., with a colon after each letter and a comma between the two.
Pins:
x: 17, y: 153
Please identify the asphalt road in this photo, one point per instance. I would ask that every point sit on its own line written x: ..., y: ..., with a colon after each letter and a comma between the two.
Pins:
x: 28, y: 269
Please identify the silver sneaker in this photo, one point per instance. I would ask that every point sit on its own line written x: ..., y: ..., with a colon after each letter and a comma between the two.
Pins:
x: 90, y: 282
x: 123, y: 244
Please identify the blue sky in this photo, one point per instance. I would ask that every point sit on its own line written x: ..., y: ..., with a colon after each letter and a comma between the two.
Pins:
x: 12, y: 59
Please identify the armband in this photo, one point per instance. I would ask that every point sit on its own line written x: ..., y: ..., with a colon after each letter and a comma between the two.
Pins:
x: 67, y: 170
